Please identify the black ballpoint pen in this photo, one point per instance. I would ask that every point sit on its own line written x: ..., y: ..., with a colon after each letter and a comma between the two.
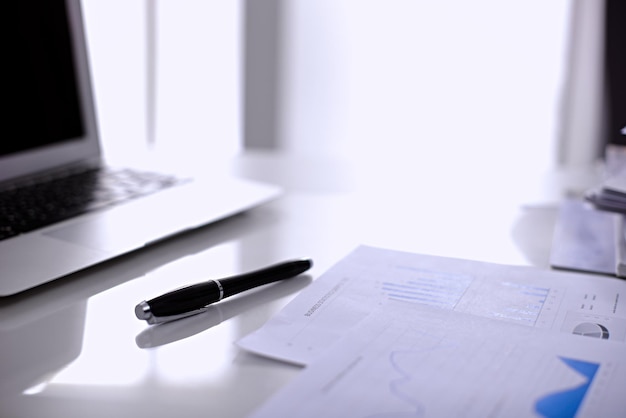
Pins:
x: 194, y: 299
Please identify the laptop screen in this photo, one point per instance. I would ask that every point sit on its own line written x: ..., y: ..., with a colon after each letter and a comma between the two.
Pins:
x: 44, y: 94
x: 615, y: 66
x: 51, y: 116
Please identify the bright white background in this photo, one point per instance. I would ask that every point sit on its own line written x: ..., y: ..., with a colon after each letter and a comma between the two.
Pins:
x: 406, y: 79
x: 198, y: 73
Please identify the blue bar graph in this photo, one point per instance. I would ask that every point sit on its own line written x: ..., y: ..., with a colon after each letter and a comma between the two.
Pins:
x: 427, y: 287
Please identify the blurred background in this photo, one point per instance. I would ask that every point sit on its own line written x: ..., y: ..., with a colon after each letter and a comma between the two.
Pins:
x: 389, y: 81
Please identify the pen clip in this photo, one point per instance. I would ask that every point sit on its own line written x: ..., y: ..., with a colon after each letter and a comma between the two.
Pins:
x: 143, y: 311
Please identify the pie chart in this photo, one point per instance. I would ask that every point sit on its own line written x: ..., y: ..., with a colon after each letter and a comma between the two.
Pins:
x: 589, y: 329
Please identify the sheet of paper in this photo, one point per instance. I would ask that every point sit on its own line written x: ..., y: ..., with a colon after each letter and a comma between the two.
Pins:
x: 584, y: 239
x: 371, y: 278
x: 419, y: 361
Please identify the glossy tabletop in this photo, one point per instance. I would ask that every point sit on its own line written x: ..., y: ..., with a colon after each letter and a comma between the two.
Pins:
x: 74, y: 348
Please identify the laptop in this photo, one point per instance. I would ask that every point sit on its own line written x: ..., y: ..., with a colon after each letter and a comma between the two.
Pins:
x: 61, y: 208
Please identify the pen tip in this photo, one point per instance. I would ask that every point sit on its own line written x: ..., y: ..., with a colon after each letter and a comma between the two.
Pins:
x: 306, y: 263
x: 142, y: 310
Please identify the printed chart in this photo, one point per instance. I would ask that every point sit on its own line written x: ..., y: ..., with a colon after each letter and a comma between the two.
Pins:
x: 426, y: 362
x: 439, y: 289
x: 370, y: 278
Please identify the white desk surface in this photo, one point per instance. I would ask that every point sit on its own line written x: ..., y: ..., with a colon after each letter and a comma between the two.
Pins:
x: 75, y: 349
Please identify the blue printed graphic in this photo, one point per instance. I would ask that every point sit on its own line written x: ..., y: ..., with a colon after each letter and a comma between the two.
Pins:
x: 565, y: 404
x: 428, y: 287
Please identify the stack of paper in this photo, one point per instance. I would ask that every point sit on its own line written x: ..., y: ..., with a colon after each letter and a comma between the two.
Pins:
x: 590, y: 233
x: 586, y: 239
x: 610, y: 195
x: 393, y: 334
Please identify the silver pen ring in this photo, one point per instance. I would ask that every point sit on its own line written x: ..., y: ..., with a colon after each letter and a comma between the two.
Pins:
x: 221, y: 289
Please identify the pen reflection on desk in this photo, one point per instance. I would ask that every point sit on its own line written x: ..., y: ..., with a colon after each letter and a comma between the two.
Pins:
x: 195, y: 299
x: 170, y: 332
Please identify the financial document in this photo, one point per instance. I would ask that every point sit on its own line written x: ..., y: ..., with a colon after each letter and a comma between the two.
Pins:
x: 586, y: 308
x: 421, y: 361
x: 393, y: 334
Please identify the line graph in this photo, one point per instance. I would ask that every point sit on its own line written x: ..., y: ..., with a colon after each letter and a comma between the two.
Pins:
x: 425, y: 369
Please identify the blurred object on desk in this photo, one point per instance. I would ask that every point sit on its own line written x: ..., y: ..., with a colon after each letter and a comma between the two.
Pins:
x: 589, y: 234
x: 610, y: 194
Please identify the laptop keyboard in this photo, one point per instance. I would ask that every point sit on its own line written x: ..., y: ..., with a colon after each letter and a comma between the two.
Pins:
x: 54, y: 199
